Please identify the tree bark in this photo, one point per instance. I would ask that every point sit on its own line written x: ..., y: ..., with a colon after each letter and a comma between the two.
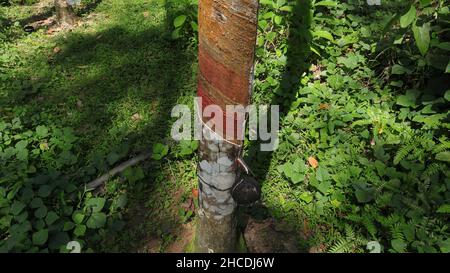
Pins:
x: 227, y: 38
x: 64, y: 13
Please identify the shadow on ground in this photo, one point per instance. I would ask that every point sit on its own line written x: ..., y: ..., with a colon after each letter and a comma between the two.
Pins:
x: 298, y: 43
x: 116, y: 87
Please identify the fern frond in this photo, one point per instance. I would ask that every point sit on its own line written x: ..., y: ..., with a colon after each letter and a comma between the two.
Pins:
x: 433, y: 169
x: 370, y: 226
x: 342, y: 246
x: 442, y: 147
x: 397, y: 232
x: 349, y: 233
x: 403, y: 152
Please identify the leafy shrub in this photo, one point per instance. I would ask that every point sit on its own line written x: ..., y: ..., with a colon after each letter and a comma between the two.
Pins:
x: 42, y: 209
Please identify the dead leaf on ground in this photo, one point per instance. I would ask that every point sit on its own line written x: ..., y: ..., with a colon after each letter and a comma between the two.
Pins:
x: 324, y: 106
x: 136, y: 117
x: 56, y: 49
x: 195, y: 193
x: 146, y: 14
x: 313, y: 162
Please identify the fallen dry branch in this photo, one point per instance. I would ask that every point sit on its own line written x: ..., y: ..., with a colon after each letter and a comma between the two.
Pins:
x: 113, y: 172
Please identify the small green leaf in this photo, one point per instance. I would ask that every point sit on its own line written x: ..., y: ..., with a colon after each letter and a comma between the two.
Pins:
x: 176, y: 33
x: 44, y: 191
x: 51, y: 218
x: 40, y: 237
x: 112, y: 158
x: 160, y: 151
x: 422, y: 37
x: 78, y: 217
x: 326, y: 4
x: 41, y: 212
x: 323, y: 34
x: 277, y: 19
x: 121, y: 201
x: 68, y: 226
x: 409, y: 99
x: 399, y: 70
x: 96, y: 220
x: 363, y: 192
x: 36, y: 203
x: 41, y: 131
x: 445, y: 246
x: 17, y: 207
x: 307, y: 197
x: 179, y: 21
x: 79, y: 230
x: 322, y: 174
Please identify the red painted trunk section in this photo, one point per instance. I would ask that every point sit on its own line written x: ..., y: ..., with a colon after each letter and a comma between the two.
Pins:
x: 227, y: 36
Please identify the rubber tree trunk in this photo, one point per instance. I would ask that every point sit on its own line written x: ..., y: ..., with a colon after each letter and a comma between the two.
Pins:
x: 227, y: 38
x: 64, y: 13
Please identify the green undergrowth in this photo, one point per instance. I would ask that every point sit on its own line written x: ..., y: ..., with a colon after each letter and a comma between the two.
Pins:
x: 363, y: 152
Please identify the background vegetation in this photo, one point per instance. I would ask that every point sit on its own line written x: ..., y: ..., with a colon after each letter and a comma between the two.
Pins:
x: 364, y: 146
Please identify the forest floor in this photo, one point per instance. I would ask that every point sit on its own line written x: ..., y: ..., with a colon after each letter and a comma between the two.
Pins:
x: 76, y: 102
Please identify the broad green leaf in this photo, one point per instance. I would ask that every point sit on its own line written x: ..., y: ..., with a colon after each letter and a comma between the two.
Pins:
x: 79, y: 230
x: 176, y: 33
x: 41, y: 131
x: 445, y: 246
x: 96, y: 204
x: 422, y: 37
x: 58, y: 240
x: 447, y: 94
x: 324, y: 186
x: 36, y: 203
x: 297, y: 177
x: 17, y: 207
x: 121, y: 201
x: 399, y: 70
x: 323, y: 34
x: 277, y: 19
x: 51, y: 218
x: 40, y: 237
x: 112, y: 158
x: 322, y: 174
x: 40, y: 212
x: 363, y: 192
x: 409, y: 17
x: 78, y: 217
x: 44, y: 191
x: 307, y: 197
x: 326, y: 4
x: 160, y: 151
x: 68, y: 226
x: 409, y: 99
